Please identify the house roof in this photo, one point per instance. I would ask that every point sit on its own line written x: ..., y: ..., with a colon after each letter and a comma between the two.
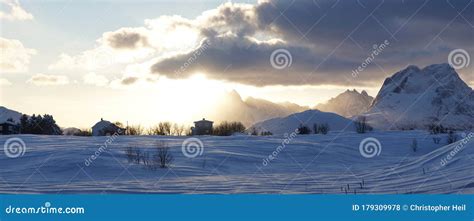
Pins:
x: 104, y: 124
x: 203, y: 120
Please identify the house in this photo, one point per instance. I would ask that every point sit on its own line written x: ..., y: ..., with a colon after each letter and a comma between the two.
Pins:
x: 202, y: 127
x: 106, y: 128
x: 9, y: 127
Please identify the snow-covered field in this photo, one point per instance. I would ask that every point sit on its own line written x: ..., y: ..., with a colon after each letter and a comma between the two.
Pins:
x: 307, y: 164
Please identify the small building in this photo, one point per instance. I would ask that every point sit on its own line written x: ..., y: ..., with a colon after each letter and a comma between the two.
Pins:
x: 106, y: 128
x: 9, y: 127
x: 202, y: 127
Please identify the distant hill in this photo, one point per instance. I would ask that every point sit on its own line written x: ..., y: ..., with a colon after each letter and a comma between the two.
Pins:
x: 6, y: 114
x: 288, y: 124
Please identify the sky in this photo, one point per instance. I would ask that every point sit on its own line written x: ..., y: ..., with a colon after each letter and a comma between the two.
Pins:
x: 148, y: 61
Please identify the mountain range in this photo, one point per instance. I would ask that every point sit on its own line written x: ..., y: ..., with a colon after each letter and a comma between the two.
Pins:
x: 348, y: 104
x: 412, y: 98
x: 252, y: 110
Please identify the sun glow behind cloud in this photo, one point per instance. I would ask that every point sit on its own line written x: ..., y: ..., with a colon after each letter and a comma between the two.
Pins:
x: 179, y: 101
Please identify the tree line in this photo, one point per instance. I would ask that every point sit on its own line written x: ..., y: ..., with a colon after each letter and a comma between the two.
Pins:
x: 39, y: 124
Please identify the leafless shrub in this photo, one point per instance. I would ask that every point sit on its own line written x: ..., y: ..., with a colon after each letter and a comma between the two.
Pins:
x: 437, y: 129
x: 266, y: 133
x: 164, y: 156
x: 452, y: 137
x: 321, y: 128
x: 303, y: 129
x: 414, y: 145
x: 228, y: 128
x: 133, y: 154
x: 135, y: 130
x: 86, y: 132
x: 253, y: 131
x: 162, y: 128
x: 361, y: 125
x: 165, y: 127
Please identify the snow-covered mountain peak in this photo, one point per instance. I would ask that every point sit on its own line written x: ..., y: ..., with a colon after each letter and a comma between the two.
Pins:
x: 348, y: 103
x: 415, y: 98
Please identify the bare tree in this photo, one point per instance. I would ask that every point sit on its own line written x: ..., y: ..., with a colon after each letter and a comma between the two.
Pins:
x: 164, y: 157
x: 177, y: 129
x: 174, y: 129
x: 181, y: 130
x: 135, y: 130
x: 164, y: 128
x: 361, y: 125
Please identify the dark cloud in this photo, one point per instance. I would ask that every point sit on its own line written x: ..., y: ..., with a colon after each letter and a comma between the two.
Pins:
x: 129, y: 80
x: 327, y: 40
x: 126, y: 39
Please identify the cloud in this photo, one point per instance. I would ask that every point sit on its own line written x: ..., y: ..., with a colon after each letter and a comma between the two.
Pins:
x: 126, y: 38
x: 242, y: 60
x: 161, y: 36
x: 98, y: 58
x: 45, y: 80
x: 95, y: 79
x: 15, y: 11
x: 129, y: 80
x: 5, y: 82
x: 326, y: 40
x: 15, y: 57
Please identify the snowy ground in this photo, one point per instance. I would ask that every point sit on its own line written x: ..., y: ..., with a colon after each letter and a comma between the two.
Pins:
x: 308, y: 164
